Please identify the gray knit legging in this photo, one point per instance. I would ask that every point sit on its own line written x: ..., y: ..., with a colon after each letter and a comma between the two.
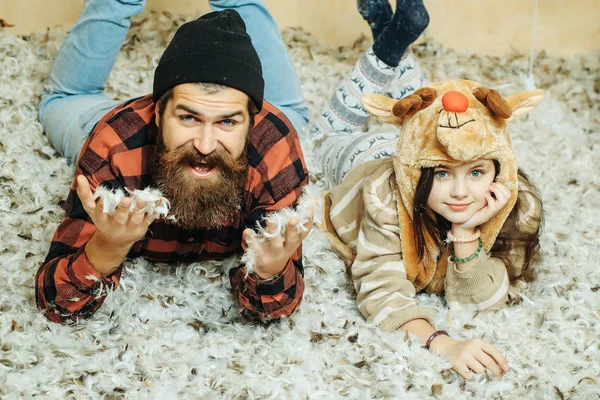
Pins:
x: 342, y: 144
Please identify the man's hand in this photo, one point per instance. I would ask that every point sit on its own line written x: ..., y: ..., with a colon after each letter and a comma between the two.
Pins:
x: 120, y: 229
x: 474, y: 355
x: 497, y: 198
x: 274, y: 253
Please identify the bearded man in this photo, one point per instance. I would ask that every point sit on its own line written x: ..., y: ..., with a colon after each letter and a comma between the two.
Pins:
x: 215, y: 137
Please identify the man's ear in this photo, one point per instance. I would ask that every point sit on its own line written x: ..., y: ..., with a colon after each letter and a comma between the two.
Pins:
x: 157, y: 114
x: 523, y: 102
x: 381, y: 107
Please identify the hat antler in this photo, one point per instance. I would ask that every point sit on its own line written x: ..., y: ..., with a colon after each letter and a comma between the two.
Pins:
x: 493, y: 101
x: 419, y: 100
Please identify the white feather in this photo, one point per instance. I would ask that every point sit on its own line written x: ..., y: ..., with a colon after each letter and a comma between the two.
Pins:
x: 156, y: 203
x: 309, y: 202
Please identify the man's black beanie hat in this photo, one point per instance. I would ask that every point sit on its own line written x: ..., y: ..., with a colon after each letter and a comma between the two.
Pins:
x: 215, y: 48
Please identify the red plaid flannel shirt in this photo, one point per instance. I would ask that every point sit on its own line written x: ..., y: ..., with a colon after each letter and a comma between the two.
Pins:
x: 119, y: 153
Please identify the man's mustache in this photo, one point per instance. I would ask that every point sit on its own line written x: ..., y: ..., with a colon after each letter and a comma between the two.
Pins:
x: 193, y: 156
x: 218, y: 158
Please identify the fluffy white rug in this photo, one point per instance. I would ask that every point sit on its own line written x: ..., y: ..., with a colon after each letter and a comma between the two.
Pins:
x: 176, y: 332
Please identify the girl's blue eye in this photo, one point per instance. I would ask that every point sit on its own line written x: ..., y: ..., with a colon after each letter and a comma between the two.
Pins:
x: 441, y: 174
x: 476, y: 173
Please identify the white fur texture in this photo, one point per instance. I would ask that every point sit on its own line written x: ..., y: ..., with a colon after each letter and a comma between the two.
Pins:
x: 309, y: 201
x: 156, y: 203
x: 176, y: 332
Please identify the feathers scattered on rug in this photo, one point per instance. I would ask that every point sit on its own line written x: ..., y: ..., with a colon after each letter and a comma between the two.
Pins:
x: 176, y: 332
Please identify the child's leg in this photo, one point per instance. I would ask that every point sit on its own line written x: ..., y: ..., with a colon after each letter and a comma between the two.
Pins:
x: 408, y: 23
x: 338, y: 130
x: 387, y: 66
x: 409, y: 78
x: 377, y: 13
x: 282, y: 86
x: 344, y: 114
x: 339, y: 154
x: 73, y: 101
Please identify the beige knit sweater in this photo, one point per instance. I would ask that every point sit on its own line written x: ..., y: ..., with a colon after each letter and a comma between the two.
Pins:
x: 361, y: 221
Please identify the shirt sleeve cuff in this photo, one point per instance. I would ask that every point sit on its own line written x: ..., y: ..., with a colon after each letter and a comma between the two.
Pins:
x: 467, y: 272
x: 399, y: 318
x: 477, y: 284
x: 274, y: 285
x: 85, y: 273
x: 272, y: 299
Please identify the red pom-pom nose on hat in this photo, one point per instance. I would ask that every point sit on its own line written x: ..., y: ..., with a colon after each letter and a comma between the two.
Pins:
x: 455, y: 102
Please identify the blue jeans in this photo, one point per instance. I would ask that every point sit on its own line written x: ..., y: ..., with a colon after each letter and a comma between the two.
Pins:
x: 74, y: 102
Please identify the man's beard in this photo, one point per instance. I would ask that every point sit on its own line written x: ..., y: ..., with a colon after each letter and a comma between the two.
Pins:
x: 200, y: 203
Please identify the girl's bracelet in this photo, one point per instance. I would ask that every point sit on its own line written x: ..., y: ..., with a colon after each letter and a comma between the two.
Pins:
x: 467, y: 239
x: 433, y: 336
x: 455, y: 259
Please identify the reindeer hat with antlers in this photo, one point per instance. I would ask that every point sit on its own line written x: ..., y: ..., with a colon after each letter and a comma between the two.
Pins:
x: 450, y: 123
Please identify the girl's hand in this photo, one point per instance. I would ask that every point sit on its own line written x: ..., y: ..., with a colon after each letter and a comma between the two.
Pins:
x: 473, y: 355
x: 495, y: 202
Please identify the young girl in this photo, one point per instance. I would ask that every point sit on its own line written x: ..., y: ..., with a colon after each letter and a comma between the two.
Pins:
x: 449, y: 211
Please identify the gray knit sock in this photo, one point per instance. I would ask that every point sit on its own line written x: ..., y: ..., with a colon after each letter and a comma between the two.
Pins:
x: 377, y: 13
